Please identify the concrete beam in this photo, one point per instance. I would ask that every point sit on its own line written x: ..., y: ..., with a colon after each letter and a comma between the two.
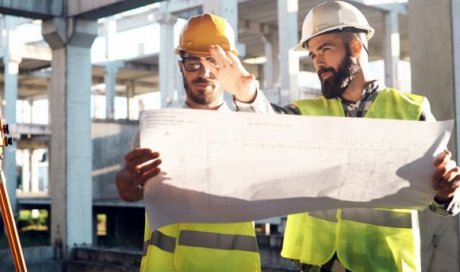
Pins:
x: 95, y: 9
x: 257, y: 28
x: 400, y: 8
x: 36, y: 9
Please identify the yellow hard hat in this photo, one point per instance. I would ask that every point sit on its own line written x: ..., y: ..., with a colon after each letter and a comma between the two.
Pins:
x: 204, y: 30
x: 330, y: 16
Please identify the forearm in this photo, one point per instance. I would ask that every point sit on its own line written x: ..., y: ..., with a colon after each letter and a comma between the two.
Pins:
x: 260, y: 104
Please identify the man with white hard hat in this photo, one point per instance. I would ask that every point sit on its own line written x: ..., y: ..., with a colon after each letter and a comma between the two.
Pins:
x: 336, y: 35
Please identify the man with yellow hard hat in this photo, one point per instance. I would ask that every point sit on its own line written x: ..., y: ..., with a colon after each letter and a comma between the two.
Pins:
x: 336, y: 35
x: 192, y: 247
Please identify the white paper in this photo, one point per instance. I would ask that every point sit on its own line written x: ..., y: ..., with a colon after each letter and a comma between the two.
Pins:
x: 231, y: 167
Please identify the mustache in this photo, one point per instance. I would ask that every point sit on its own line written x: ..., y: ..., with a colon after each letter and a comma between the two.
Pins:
x: 202, y: 80
x: 325, y: 70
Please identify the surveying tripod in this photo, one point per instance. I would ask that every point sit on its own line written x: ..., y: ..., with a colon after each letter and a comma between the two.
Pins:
x: 6, y: 212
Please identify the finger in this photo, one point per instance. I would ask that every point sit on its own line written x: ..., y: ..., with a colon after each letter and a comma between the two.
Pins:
x: 146, y: 176
x: 139, y: 152
x: 443, y: 158
x: 137, y: 162
x: 234, y: 60
x: 149, y: 165
x: 448, y: 192
x: 451, y: 175
x: 443, y: 169
x: 220, y: 56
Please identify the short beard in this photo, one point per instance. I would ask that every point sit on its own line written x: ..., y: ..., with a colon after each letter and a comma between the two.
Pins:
x: 336, y: 84
x: 200, y: 97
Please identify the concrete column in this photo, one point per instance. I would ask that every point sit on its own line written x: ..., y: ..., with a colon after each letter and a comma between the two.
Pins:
x: 111, y: 69
x: 268, y: 66
x: 229, y: 10
x: 391, y: 45
x: 168, y: 63
x: 11, y: 60
x: 129, y: 96
x: 110, y: 79
x: 70, y: 151
x: 434, y: 37
x: 288, y: 38
x: 27, y: 170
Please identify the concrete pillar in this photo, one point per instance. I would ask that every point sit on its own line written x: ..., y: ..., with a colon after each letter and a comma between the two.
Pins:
x: 70, y: 151
x: 110, y: 79
x: 288, y: 38
x: 391, y: 45
x: 268, y: 66
x: 111, y: 69
x: 434, y: 37
x: 168, y: 58
x: 229, y: 10
x: 130, y: 88
x: 11, y: 60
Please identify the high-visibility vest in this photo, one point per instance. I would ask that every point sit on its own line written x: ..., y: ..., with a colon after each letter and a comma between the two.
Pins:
x: 201, y: 247
x: 363, y: 239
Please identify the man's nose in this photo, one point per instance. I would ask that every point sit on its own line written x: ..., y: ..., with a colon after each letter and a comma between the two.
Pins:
x: 318, y: 63
x: 203, y: 71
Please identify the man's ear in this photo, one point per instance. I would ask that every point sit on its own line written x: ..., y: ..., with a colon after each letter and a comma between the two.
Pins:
x: 355, y: 47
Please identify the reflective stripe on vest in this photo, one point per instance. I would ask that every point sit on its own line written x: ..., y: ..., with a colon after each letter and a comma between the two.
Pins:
x: 217, y: 240
x: 379, y: 217
x: 368, y: 216
x: 202, y: 239
x: 160, y: 240
x: 329, y: 215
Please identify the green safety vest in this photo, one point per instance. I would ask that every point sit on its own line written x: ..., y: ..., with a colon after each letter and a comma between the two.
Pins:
x: 201, y: 247
x: 363, y: 239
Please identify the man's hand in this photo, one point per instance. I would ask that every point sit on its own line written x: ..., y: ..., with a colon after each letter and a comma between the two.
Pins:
x: 141, y: 164
x: 446, y: 179
x: 229, y: 71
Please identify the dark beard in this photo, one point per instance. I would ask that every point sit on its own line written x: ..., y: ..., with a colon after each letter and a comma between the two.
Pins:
x: 200, y: 97
x: 336, y: 84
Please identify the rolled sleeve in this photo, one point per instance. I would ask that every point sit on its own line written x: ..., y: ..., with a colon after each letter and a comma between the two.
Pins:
x: 259, y: 105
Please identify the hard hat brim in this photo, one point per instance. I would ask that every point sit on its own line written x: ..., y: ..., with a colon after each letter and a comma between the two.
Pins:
x: 179, y: 50
x: 369, y: 33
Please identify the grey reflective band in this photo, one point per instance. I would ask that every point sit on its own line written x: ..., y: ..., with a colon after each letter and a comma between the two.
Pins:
x: 368, y: 216
x: 218, y: 241
x: 160, y: 240
x: 329, y: 215
x: 379, y: 217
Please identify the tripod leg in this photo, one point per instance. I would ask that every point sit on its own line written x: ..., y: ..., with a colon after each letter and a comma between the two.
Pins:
x: 10, y: 226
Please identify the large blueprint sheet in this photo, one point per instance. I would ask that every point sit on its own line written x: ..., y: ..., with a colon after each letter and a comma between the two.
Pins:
x: 230, y: 167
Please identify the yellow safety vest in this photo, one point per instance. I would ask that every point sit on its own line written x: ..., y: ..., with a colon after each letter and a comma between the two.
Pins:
x: 363, y: 239
x: 201, y: 247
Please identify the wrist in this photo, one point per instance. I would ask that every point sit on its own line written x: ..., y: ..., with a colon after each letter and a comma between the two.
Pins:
x: 248, y: 97
x: 442, y: 199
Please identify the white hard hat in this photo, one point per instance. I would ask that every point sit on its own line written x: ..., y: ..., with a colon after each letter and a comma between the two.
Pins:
x: 330, y: 16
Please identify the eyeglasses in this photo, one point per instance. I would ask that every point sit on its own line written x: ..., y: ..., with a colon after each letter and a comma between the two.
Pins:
x: 193, y: 64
